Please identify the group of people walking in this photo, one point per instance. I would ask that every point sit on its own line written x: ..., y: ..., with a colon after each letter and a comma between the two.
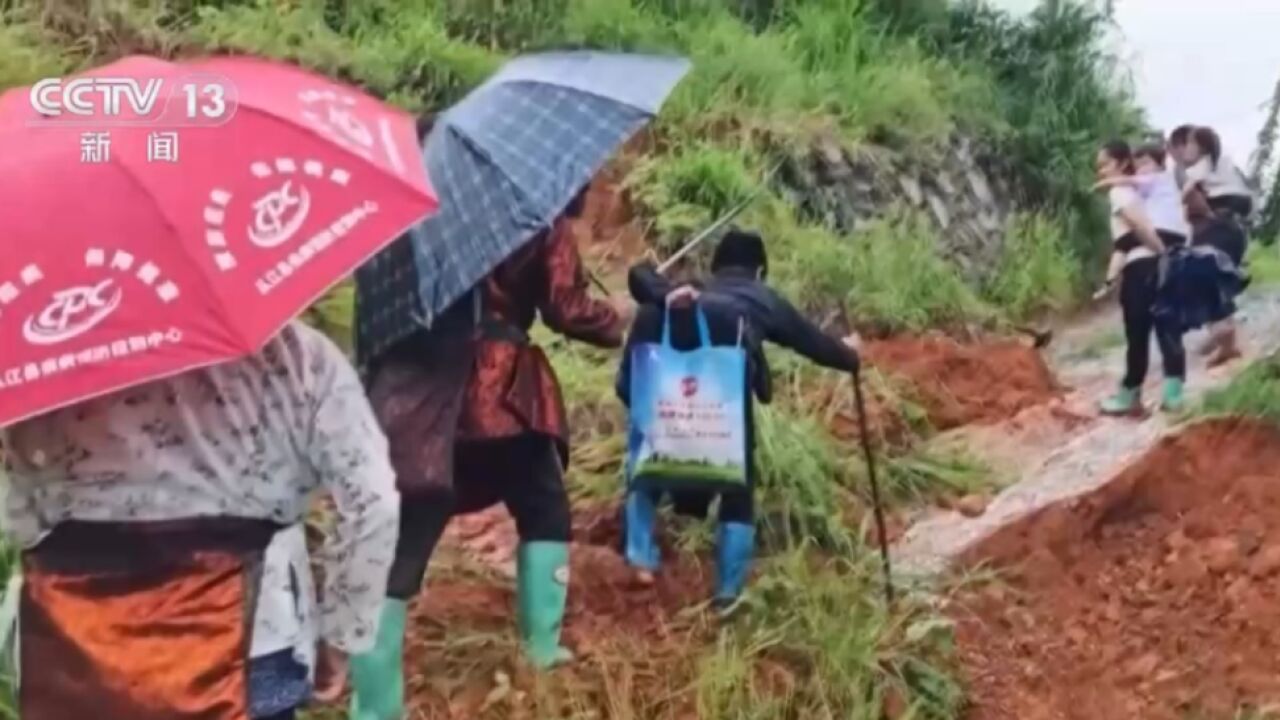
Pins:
x: 165, y: 571
x: 162, y: 527
x: 1178, y: 215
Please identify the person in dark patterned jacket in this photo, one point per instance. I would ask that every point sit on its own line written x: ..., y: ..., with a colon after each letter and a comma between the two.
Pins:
x: 475, y: 417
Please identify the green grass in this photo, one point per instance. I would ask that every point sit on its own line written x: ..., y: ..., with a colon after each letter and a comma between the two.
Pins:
x: 925, y: 474
x: 824, y: 624
x: 1039, y: 272
x: 1263, y: 264
x: 1254, y: 393
x: 690, y: 474
x: 804, y: 478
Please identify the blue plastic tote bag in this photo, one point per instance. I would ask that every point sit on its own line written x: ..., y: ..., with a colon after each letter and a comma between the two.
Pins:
x: 688, y: 415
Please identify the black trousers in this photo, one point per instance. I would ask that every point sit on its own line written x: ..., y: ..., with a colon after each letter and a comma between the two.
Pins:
x: 1139, y: 285
x: 735, y: 507
x: 522, y: 472
x: 1239, y: 206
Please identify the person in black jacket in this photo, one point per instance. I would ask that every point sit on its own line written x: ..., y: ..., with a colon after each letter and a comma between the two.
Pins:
x: 740, y: 308
x: 1228, y: 236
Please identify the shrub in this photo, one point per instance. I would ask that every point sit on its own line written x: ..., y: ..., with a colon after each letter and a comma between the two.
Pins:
x: 1038, y: 270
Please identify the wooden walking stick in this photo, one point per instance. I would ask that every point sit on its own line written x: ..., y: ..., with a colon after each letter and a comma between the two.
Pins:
x: 877, y: 506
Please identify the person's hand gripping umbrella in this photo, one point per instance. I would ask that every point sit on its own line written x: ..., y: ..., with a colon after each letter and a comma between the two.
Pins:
x: 506, y: 161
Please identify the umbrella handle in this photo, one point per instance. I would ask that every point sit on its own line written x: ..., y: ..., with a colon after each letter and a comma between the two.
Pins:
x: 877, y: 505
x: 720, y: 222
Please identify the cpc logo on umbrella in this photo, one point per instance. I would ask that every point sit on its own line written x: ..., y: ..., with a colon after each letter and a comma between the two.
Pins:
x: 276, y: 209
x: 334, y: 115
x: 75, y: 310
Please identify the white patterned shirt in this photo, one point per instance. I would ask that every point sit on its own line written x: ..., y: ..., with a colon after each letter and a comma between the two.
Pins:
x: 253, y: 438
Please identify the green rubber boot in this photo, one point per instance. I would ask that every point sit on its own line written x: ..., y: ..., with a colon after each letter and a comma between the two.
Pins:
x: 1173, y: 400
x: 542, y: 587
x: 377, y: 677
x: 1124, y: 402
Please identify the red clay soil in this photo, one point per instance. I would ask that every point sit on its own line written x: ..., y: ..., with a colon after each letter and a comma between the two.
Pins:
x: 605, y: 606
x: 961, y: 383
x: 609, y: 235
x: 1156, y: 597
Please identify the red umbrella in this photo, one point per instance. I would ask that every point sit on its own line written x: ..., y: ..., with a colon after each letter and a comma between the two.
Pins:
x: 140, y: 241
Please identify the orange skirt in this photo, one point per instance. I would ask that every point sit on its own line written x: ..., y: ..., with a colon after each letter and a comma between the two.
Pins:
x: 140, y: 621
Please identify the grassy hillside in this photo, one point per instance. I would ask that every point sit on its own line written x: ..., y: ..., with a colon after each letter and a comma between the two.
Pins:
x: 769, y: 76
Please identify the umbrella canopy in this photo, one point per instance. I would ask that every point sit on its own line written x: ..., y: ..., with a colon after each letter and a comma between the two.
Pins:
x: 506, y: 161
x: 118, y: 267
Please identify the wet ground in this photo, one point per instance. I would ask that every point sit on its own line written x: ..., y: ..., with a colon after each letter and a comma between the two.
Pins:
x: 1058, y: 450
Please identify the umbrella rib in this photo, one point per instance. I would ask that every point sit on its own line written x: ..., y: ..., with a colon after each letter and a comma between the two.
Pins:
x: 474, y: 146
x: 607, y: 98
x: 296, y: 126
x: 208, y: 283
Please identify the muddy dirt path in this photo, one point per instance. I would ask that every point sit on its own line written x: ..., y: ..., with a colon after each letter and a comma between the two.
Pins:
x: 1153, y: 597
x: 1063, y: 449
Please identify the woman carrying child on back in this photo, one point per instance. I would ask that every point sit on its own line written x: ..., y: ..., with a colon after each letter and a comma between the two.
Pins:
x: 1214, y: 180
x: 1143, y: 225
x: 1226, y: 239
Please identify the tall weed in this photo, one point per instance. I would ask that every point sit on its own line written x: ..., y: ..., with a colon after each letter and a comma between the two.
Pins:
x: 1253, y: 393
x: 26, y: 55
x: 890, y: 274
x: 1061, y: 93
x: 815, y: 641
x: 1263, y: 264
x: 617, y: 25
x: 800, y: 472
x: 687, y: 189
x: 1038, y: 270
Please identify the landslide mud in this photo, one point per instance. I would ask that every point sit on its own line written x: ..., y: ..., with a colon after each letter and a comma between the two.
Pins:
x: 1156, y: 596
x: 966, y: 383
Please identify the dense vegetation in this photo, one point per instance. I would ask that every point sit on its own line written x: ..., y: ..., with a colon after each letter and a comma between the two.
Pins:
x: 1264, y: 170
x: 769, y: 77
x: 769, y: 74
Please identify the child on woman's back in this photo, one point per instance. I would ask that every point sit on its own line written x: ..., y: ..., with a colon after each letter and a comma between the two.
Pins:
x: 1160, y: 196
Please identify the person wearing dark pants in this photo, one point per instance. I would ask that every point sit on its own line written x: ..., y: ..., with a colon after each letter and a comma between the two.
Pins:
x: 474, y: 415
x: 522, y: 472
x: 740, y: 309
x: 1139, y: 285
x: 1227, y: 236
x: 1137, y: 248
